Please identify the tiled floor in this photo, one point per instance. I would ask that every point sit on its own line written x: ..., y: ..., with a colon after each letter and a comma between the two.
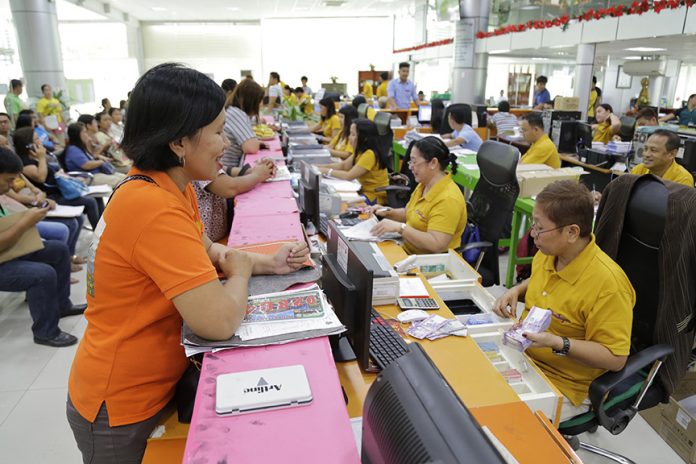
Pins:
x: 33, y: 389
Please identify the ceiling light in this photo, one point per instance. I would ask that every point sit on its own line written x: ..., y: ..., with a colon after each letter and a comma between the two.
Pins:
x: 632, y: 57
x: 645, y: 49
x: 539, y: 59
x: 498, y: 52
x: 158, y: 8
x: 232, y: 8
x: 530, y: 7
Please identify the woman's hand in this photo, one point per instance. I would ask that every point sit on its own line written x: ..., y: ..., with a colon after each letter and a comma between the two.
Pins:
x: 506, y: 305
x: 386, y: 226
x: 544, y: 339
x: 38, y: 152
x: 264, y: 169
x: 378, y: 210
x: 235, y: 263
x: 290, y: 258
x: 51, y: 203
x: 40, y: 197
x: 34, y: 215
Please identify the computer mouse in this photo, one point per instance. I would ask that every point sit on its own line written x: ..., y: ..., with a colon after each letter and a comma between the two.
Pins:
x: 412, y: 315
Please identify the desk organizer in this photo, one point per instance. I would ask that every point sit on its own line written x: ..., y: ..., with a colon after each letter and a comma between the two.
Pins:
x: 481, y: 298
x: 452, y: 264
x: 530, y: 384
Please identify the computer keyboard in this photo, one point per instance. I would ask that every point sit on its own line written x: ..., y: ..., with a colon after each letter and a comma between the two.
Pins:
x: 349, y: 222
x: 385, y: 344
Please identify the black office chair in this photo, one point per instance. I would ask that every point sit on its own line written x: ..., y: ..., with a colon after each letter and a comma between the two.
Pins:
x: 362, y: 110
x: 444, y: 125
x: 688, y: 161
x: 617, y: 396
x: 491, y: 203
x: 628, y: 126
x: 401, y: 184
x: 386, y: 135
x: 437, y: 106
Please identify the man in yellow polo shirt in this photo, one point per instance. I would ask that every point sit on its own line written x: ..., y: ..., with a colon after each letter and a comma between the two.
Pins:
x: 542, y: 149
x: 659, y: 158
x: 590, y: 297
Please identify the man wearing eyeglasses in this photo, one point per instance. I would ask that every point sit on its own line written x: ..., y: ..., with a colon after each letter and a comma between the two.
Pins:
x: 542, y: 149
x: 589, y: 295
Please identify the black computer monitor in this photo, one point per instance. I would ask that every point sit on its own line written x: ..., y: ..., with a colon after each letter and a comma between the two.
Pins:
x: 583, y: 135
x: 550, y: 117
x: 347, y: 283
x: 308, y: 190
x: 412, y: 415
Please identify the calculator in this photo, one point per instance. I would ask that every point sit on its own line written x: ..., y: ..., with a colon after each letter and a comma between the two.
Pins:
x: 417, y: 303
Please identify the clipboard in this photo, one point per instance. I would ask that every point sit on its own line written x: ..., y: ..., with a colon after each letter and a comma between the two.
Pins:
x: 29, y: 242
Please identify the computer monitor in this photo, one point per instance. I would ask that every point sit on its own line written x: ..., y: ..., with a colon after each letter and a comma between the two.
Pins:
x: 308, y: 190
x: 347, y: 283
x: 424, y: 114
x: 583, y: 135
x: 412, y: 415
x: 549, y: 116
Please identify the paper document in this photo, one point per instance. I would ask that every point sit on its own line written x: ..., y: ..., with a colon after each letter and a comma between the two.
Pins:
x: 362, y: 231
x: 412, y: 287
x: 63, y: 211
x: 459, y: 151
x: 342, y: 185
x: 98, y: 190
x: 282, y: 173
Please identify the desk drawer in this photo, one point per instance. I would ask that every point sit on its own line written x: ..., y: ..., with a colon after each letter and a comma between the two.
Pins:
x: 533, y: 388
x: 481, y: 298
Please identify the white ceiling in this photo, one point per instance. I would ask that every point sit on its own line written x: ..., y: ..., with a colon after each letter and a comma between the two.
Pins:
x: 252, y: 10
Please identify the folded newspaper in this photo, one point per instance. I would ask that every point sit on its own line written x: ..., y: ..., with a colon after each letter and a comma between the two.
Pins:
x: 276, y: 318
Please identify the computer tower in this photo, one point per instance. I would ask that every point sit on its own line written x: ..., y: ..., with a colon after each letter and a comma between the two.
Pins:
x: 563, y: 134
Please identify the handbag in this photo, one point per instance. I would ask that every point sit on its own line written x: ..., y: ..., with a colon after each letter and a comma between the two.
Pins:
x: 471, y: 234
x: 70, y: 188
x: 185, y: 393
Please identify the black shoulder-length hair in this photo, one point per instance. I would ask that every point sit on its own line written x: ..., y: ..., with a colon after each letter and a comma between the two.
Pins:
x: 169, y: 102
x: 368, y: 139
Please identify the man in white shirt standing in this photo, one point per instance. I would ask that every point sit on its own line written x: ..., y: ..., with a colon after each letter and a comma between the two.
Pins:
x: 275, y: 92
x: 307, y: 89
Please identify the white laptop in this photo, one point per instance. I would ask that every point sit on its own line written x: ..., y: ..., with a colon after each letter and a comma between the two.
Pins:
x: 261, y: 390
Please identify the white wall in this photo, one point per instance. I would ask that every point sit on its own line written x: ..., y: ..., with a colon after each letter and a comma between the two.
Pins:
x: 220, y: 50
x: 619, y: 99
x: 323, y: 47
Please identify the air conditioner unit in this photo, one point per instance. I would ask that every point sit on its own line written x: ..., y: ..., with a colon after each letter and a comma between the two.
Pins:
x: 644, y: 68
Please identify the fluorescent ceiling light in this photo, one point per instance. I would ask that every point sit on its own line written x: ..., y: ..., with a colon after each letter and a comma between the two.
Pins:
x: 645, y: 49
x: 498, y: 52
x: 233, y: 8
x: 632, y: 57
x: 530, y: 7
x: 539, y: 59
x: 158, y: 8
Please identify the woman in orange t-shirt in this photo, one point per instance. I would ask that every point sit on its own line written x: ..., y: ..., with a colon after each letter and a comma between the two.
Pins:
x: 151, y: 265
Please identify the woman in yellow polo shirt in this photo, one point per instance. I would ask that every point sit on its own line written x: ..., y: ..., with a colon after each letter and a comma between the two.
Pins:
x: 590, y: 297
x: 329, y: 125
x: 435, y: 216
x: 368, y: 165
x: 608, y: 124
x: 340, y: 146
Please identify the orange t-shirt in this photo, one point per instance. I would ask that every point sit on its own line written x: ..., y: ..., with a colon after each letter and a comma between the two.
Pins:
x: 147, y: 250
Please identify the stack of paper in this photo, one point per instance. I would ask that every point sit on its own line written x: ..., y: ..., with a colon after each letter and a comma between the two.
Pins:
x: 275, y: 318
x: 342, y: 185
x: 98, y: 191
x: 63, y: 211
x: 362, y: 231
x: 282, y: 173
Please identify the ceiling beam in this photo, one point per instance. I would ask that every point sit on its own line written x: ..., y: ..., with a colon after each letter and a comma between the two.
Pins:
x: 108, y: 11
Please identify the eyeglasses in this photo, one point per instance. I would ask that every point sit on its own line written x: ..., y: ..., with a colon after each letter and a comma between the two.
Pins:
x: 538, y: 232
x: 411, y: 163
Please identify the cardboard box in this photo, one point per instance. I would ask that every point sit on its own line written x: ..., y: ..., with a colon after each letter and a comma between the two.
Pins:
x: 567, y: 104
x: 533, y: 182
x: 678, y: 426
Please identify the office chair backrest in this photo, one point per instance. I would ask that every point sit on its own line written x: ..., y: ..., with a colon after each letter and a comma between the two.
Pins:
x: 644, y: 225
x: 437, y: 110
x: 628, y: 125
x: 445, y: 127
x: 405, y: 170
x: 493, y: 198
x: 60, y: 156
x: 362, y: 110
x: 689, y: 158
x: 386, y: 136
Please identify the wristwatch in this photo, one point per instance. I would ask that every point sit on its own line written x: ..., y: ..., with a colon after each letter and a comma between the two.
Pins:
x: 566, y: 348
x: 403, y: 227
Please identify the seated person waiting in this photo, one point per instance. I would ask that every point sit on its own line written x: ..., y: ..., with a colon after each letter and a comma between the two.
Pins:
x: 590, y: 296
x: 608, y: 124
x: 503, y: 121
x: 462, y: 134
x: 646, y: 117
x: 340, y: 146
x: 78, y: 158
x: 542, y: 149
x: 435, y: 216
x: 368, y: 164
x: 659, y: 156
x: 240, y: 106
x: 686, y: 115
x: 329, y: 125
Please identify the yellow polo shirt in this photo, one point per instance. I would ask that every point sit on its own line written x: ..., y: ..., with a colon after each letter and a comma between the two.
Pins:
x: 371, y: 113
x: 603, y: 132
x: 382, y: 89
x: 329, y: 125
x: 340, y: 144
x: 368, y: 92
x: 592, y: 103
x: 591, y: 299
x: 675, y: 173
x: 442, y: 209
x: 543, y: 151
x: 373, y: 178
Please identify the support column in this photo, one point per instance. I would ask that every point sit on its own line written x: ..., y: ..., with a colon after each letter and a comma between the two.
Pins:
x: 36, y: 23
x: 470, y: 69
x: 134, y: 36
x: 584, y: 62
